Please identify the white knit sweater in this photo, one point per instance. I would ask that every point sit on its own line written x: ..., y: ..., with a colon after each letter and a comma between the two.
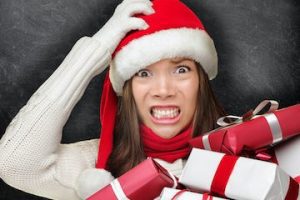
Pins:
x: 32, y: 158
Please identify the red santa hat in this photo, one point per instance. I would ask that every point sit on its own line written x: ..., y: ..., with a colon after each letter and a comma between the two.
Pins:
x: 174, y: 31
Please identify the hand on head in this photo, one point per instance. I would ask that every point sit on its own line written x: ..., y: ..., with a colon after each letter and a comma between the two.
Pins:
x: 123, y: 21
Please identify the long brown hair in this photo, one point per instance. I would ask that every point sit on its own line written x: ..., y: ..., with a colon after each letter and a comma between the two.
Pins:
x: 128, y: 148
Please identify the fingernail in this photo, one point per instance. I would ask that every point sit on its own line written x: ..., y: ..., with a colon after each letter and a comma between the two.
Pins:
x: 146, y: 26
x: 151, y: 11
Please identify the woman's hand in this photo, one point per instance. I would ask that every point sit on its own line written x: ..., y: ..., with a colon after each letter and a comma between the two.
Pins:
x: 123, y: 21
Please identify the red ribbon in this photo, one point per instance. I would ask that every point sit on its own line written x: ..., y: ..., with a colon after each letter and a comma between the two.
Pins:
x: 292, y: 193
x: 206, y: 196
x: 222, y: 174
x: 265, y: 154
x: 297, y: 178
x: 178, y: 194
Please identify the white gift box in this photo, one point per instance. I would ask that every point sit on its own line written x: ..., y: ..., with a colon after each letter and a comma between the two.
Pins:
x: 288, y: 157
x: 245, y: 178
x: 169, y: 193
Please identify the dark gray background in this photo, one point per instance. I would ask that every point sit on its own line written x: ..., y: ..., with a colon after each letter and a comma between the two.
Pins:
x: 257, y: 43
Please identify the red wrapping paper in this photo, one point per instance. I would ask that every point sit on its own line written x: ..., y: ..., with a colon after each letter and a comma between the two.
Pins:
x: 250, y: 135
x: 145, y: 181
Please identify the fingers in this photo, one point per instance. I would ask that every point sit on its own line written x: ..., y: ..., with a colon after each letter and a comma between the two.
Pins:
x: 127, y: 3
x: 134, y: 1
x: 139, y: 8
x: 132, y: 7
x: 124, y: 21
x: 136, y: 24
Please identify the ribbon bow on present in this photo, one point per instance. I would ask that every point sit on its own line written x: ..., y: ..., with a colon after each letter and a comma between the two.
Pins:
x: 251, y: 131
x: 252, y: 114
x: 248, y: 115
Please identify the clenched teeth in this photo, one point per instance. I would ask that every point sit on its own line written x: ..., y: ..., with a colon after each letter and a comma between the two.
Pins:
x: 165, y: 113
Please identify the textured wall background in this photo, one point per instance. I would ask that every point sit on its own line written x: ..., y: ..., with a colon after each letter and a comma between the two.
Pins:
x: 257, y: 43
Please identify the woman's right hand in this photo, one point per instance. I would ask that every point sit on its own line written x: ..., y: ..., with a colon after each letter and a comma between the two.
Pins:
x: 123, y: 21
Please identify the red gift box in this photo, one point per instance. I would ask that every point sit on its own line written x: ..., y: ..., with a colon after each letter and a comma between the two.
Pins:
x: 145, y: 181
x: 253, y: 132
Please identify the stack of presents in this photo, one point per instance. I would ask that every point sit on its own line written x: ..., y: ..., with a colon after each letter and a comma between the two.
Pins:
x: 249, y: 157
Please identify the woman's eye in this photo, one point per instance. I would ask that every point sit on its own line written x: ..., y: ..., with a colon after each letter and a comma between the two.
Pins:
x: 182, y: 69
x: 143, y: 73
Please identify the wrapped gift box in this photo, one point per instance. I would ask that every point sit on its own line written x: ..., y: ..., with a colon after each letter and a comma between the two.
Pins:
x: 145, y: 181
x: 174, y: 194
x: 253, y: 134
x: 237, y: 177
x: 287, y: 156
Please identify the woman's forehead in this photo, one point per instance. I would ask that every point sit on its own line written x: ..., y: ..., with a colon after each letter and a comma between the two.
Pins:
x: 180, y: 59
x: 175, y: 60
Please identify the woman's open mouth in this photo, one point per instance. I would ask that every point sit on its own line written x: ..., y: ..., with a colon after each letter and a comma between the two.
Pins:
x: 165, y: 114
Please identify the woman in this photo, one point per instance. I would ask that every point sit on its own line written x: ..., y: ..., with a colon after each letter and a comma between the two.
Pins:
x: 156, y: 97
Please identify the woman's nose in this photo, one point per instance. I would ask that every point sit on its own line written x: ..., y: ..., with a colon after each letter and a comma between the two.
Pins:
x: 163, y: 87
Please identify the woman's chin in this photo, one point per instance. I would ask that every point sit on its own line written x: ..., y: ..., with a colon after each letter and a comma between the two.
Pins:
x: 166, y: 132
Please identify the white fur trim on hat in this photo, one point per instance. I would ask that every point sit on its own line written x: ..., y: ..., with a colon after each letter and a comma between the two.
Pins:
x: 91, y: 180
x: 180, y: 42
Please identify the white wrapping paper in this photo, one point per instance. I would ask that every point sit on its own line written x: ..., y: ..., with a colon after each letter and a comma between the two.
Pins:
x: 169, y: 193
x: 288, y: 156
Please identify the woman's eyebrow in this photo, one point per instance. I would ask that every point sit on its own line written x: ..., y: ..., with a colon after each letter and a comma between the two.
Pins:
x: 178, y: 60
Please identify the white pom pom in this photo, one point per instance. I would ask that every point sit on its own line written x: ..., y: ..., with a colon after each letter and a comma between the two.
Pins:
x: 92, y: 180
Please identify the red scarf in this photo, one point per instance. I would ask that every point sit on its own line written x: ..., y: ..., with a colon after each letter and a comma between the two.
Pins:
x: 166, y: 149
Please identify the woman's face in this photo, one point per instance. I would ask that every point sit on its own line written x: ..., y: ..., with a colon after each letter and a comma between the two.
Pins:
x: 166, y: 94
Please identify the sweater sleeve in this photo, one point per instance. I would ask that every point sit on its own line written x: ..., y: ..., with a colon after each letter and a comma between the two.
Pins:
x: 31, y: 156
